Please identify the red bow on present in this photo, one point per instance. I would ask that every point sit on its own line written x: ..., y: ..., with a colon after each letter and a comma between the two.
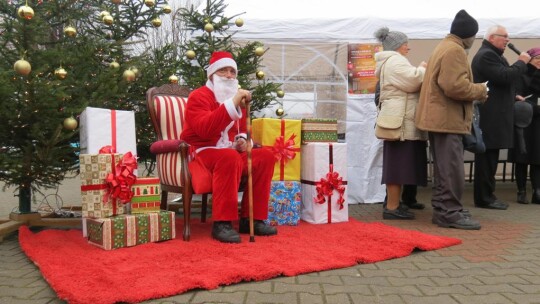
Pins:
x: 107, y: 150
x: 284, y: 149
x: 119, y: 181
x: 326, y: 186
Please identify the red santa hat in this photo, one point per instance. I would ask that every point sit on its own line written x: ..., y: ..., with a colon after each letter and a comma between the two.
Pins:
x: 219, y: 60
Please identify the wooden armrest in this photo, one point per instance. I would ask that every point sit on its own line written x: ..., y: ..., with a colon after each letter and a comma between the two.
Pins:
x: 166, y: 146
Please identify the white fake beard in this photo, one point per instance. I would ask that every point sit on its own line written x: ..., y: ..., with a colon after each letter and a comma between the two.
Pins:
x: 224, y: 88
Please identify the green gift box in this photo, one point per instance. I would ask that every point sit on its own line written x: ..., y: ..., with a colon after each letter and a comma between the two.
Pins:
x: 130, y: 230
x: 319, y: 130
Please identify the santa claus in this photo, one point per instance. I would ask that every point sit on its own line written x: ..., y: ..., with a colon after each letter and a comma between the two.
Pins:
x: 215, y: 127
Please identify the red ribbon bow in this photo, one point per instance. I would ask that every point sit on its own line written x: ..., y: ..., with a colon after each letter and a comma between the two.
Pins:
x: 326, y: 186
x: 284, y: 150
x: 119, y: 181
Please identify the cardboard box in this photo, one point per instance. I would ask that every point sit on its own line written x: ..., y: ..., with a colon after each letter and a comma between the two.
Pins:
x: 130, y: 230
x: 324, y: 183
x: 105, y: 127
x: 146, y: 195
x: 283, y: 137
x: 285, y: 202
x: 319, y: 130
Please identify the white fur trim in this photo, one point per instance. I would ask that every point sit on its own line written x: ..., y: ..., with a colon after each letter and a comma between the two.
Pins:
x: 222, y: 63
x: 234, y: 112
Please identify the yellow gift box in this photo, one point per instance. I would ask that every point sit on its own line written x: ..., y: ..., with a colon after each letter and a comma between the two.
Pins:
x: 282, y: 137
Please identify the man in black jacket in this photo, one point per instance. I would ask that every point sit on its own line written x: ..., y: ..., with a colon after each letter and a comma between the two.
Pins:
x: 496, y: 114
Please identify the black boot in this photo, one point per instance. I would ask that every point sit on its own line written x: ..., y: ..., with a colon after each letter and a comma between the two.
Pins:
x: 536, y: 196
x: 259, y: 227
x: 522, y: 197
x: 224, y: 232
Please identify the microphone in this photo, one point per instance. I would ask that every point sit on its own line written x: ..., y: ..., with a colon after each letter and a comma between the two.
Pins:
x: 513, y: 48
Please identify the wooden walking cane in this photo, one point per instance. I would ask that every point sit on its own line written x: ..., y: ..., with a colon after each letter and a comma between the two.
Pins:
x: 250, y: 175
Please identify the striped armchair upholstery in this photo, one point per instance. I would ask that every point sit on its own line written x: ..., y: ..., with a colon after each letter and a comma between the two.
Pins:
x: 166, y: 105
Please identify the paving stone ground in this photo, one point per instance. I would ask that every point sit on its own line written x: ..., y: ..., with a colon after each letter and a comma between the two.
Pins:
x: 498, y: 264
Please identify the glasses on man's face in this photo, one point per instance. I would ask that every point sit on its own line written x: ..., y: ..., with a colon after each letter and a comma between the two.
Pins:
x: 500, y: 35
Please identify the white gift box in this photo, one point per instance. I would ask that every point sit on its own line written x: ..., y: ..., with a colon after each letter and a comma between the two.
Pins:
x: 324, y: 167
x: 105, y: 127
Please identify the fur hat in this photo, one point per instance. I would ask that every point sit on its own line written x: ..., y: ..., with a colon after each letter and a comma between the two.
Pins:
x: 464, y: 26
x: 391, y: 41
x: 534, y: 52
x: 219, y: 60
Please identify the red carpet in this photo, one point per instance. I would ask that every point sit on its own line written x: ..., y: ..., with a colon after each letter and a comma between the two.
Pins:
x: 82, y: 273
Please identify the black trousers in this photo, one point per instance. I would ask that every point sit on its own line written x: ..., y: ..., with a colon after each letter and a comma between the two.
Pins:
x: 521, y: 176
x: 485, y: 168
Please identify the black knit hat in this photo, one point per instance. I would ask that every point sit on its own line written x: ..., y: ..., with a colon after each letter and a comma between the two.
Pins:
x: 464, y: 26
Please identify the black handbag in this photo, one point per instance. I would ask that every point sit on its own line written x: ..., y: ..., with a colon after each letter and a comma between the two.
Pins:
x: 474, y: 142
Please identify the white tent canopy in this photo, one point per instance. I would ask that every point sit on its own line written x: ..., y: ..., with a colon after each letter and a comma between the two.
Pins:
x: 351, y: 21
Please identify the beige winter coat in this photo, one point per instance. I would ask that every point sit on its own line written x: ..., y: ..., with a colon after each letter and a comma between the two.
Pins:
x: 448, y: 90
x: 400, y: 84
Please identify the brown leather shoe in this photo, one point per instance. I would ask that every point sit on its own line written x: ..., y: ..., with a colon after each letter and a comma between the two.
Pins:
x: 259, y: 227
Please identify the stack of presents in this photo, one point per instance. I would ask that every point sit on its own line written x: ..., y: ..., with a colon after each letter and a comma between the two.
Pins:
x: 119, y: 209
x: 122, y: 210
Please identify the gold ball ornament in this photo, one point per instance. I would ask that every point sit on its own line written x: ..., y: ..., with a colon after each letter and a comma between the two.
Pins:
x: 190, y: 54
x: 173, y: 79
x: 167, y: 9
x: 108, y: 19
x: 259, y: 51
x: 70, y: 123
x: 114, y: 65
x: 25, y: 12
x: 116, y: 1
x: 209, y: 27
x: 280, y: 112
x: 239, y: 22
x: 150, y: 3
x: 260, y: 75
x: 22, y: 67
x: 103, y: 14
x: 135, y: 70
x: 156, y: 22
x: 128, y: 75
x: 280, y: 93
x: 70, y: 31
x: 60, y: 73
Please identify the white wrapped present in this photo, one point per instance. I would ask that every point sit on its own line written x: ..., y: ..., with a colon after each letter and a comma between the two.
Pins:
x: 324, y: 183
x: 105, y: 127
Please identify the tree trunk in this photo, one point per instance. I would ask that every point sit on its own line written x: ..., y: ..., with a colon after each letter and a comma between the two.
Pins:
x: 25, y: 202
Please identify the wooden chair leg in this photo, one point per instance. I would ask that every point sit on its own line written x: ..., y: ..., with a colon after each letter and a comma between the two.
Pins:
x: 204, y: 207
x: 163, y: 204
x: 186, y: 198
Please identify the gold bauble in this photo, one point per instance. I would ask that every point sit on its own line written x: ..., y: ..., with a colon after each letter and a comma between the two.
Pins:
x: 280, y: 112
x: 260, y: 75
x: 150, y: 3
x: 114, y: 65
x: 280, y: 93
x: 239, y: 22
x: 22, y: 67
x: 128, y: 75
x: 70, y: 31
x: 135, y: 70
x: 259, y: 51
x: 209, y: 27
x: 156, y: 22
x: 173, y: 79
x: 60, y: 73
x: 103, y: 14
x: 25, y: 12
x: 70, y: 123
x: 116, y: 1
x: 190, y: 54
x: 108, y: 19
x: 167, y: 9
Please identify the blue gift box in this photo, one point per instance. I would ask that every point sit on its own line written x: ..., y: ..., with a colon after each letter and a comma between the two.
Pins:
x: 284, y: 204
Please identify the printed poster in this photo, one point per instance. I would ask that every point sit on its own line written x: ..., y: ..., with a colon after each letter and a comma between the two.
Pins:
x: 361, y: 68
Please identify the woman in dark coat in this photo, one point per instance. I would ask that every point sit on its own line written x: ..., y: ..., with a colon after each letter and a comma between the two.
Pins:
x: 529, y: 85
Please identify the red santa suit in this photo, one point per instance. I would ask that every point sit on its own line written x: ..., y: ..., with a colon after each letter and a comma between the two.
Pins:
x: 211, y: 128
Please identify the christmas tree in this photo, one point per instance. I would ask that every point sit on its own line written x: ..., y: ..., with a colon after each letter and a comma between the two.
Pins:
x: 56, y: 58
